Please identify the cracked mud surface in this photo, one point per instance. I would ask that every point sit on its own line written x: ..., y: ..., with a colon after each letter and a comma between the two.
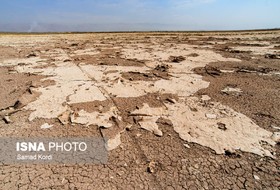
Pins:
x: 182, y: 110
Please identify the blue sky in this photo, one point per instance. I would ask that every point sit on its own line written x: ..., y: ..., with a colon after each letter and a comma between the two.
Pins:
x: 116, y: 15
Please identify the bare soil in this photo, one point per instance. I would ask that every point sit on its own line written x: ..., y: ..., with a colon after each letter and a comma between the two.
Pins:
x: 128, y: 72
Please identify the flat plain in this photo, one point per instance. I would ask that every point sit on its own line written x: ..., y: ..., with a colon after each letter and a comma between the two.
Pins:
x: 181, y: 110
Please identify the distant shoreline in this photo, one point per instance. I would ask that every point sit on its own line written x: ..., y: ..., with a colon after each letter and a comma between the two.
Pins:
x: 163, y: 31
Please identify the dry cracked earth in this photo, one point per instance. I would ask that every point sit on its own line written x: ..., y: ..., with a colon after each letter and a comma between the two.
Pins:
x: 180, y: 110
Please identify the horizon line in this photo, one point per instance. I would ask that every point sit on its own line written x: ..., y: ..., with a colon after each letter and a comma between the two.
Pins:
x: 143, y: 31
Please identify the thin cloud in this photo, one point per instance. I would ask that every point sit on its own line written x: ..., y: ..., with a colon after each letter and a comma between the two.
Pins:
x: 190, y: 3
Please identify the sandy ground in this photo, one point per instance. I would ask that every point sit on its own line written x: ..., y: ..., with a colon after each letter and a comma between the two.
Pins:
x: 180, y: 110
